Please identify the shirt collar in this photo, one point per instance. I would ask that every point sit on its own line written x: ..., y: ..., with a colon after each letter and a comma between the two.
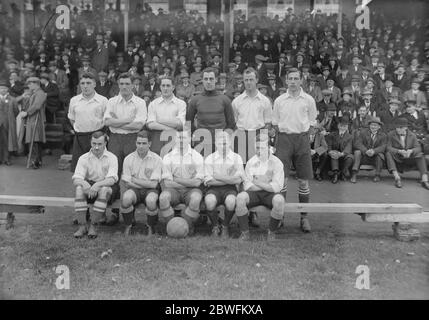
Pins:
x: 122, y: 100
x: 173, y: 99
x: 92, y: 155
x: 96, y: 97
x: 301, y: 94
x: 229, y: 156
x: 258, y: 94
x: 176, y: 150
x: 149, y: 155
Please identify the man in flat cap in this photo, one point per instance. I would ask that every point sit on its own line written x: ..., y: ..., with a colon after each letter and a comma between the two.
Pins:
x: 53, y: 102
x: 403, y: 149
x: 261, y: 68
x: 86, y: 68
x: 100, y: 56
x: 35, y: 120
x: 369, y: 147
x: 417, y: 121
x: 390, y: 114
x: 8, y: 112
x: 415, y: 94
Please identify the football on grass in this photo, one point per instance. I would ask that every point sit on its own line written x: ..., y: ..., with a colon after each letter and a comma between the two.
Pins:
x: 177, y: 228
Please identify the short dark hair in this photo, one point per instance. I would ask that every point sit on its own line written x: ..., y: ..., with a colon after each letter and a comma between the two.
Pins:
x: 99, y: 134
x: 210, y: 69
x: 87, y: 75
x: 144, y: 134
x: 125, y: 75
x: 251, y: 70
x: 166, y: 78
x: 291, y: 70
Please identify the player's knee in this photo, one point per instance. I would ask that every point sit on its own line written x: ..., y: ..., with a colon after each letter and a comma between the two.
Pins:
x: 195, y: 198
x: 164, y: 199
x: 127, y: 199
x: 151, y: 200
x: 357, y: 153
x: 278, y: 201
x: 241, y: 200
x: 230, y: 202
x: 210, y: 201
x: 303, y: 184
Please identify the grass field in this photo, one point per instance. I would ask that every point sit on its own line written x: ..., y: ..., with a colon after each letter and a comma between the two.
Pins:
x: 320, y: 265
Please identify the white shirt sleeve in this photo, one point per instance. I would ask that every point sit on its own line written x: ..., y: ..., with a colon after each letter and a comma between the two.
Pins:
x: 166, y: 168
x: 81, y: 169
x: 141, y: 115
x: 151, y: 115
x: 126, y: 171
x: 113, y: 168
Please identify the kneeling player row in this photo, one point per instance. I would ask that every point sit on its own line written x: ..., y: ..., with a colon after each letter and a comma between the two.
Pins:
x: 182, y: 176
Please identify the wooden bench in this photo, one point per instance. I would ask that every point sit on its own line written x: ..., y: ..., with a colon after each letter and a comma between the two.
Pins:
x: 401, y: 215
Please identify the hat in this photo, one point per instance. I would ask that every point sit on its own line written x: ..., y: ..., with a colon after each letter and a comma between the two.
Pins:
x: 411, y: 101
x: 299, y: 53
x: 85, y: 58
x: 183, y: 66
x: 237, y: 53
x: 147, y: 94
x: 344, y: 121
x: 388, y: 78
x: 44, y: 75
x: 99, y: 37
x: 355, y: 78
x: 261, y: 57
x: 33, y: 79
x: 166, y: 66
x: 401, y: 122
x: 102, y: 73
x: 271, y: 77
x: 347, y: 90
x: 52, y: 63
x: 222, y: 75
x: 312, y: 78
x: 370, y: 79
x: 196, y: 65
x: 381, y: 64
x: 415, y: 80
x: 330, y: 78
x: 325, y: 68
x: 231, y: 65
x: 136, y: 77
x: 184, y: 75
x: 4, y: 83
x: 394, y: 100
x: 282, y: 55
x: 261, y: 86
x: 326, y: 92
x: 238, y: 76
x: 12, y: 61
x: 366, y: 69
x: 305, y: 66
x: 332, y: 58
x: 366, y: 92
x: 147, y: 65
x: 217, y: 54
x: 375, y: 120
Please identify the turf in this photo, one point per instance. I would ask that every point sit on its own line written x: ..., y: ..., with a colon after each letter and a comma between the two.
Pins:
x: 320, y: 265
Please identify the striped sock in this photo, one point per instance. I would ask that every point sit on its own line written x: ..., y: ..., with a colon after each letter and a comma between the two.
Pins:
x: 304, y: 197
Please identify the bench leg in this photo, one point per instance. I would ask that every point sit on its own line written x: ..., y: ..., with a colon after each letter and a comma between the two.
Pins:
x: 405, y: 232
